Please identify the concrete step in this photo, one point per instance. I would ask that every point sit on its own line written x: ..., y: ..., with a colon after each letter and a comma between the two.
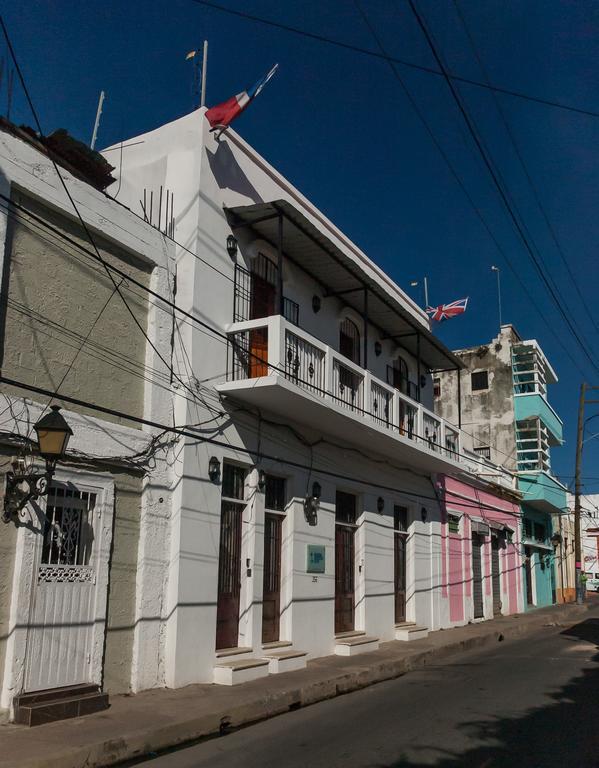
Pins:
x: 352, y: 644
x: 410, y: 631
x: 232, y: 653
x: 285, y: 661
x: 233, y: 672
x: 62, y: 708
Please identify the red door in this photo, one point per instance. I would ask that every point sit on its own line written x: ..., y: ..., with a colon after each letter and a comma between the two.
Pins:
x: 271, y: 590
x: 229, y: 576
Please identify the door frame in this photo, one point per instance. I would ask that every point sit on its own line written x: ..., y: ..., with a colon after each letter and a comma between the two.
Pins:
x: 26, y: 560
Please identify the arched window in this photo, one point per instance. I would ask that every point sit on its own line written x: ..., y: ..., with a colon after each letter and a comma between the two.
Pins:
x: 349, y: 340
x: 398, y: 375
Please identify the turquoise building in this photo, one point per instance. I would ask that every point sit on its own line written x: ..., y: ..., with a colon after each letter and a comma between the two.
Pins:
x: 506, y: 412
x: 538, y: 429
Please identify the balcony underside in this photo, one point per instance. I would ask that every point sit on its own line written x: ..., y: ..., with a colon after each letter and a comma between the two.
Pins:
x: 290, y: 403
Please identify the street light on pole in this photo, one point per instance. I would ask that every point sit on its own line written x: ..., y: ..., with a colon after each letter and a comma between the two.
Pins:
x: 416, y: 283
x: 497, y: 271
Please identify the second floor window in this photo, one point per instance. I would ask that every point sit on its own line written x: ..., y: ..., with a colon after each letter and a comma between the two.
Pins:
x: 397, y: 375
x: 480, y: 380
x: 349, y: 340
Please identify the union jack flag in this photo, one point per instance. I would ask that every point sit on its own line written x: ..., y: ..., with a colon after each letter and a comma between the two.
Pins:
x: 447, y: 311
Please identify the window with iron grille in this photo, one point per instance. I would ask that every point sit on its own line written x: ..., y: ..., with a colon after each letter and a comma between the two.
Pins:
x: 453, y: 523
x: 400, y: 518
x: 539, y: 530
x: 345, y: 508
x: 479, y: 380
x: 528, y: 529
x: 68, y: 534
x: 275, y: 493
x: 233, y: 486
x: 484, y: 451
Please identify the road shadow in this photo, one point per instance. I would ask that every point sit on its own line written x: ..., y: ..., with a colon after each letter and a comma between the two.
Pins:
x: 563, y: 733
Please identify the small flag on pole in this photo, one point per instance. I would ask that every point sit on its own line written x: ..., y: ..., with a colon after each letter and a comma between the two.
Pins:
x: 447, y: 311
x: 222, y: 115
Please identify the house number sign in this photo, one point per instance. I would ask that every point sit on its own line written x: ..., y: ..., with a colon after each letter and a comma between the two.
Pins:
x: 315, y: 559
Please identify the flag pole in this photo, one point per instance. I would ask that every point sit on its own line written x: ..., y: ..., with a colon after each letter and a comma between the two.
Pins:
x: 97, y: 123
x: 497, y: 271
x: 204, y: 67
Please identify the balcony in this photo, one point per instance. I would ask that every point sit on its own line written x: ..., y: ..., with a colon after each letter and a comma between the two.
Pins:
x: 278, y: 367
x: 533, y: 405
x: 543, y: 492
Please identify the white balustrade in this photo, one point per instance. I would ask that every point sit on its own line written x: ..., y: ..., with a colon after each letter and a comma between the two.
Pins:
x: 273, y: 346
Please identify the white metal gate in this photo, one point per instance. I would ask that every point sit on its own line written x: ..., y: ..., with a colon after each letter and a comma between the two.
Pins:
x: 60, y: 636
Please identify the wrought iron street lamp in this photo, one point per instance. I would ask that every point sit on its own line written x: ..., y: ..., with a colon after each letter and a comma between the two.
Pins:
x: 23, y: 486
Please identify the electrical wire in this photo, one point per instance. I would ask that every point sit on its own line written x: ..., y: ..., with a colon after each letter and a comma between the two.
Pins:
x: 393, y: 59
x: 188, y: 433
x: 518, y: 153
x: 496, y: 181
x: 460, y: 183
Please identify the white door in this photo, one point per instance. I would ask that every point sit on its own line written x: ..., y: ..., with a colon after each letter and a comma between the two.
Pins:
x: 61, y: 632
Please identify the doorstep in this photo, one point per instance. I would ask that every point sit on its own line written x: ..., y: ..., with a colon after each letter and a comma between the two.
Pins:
x: 408, y: 630
x: 233, y: 672
x: 353, y: 644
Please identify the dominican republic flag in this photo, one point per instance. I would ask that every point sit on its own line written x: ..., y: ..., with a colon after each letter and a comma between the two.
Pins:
x: 447, y: 311
x: 222, y: 115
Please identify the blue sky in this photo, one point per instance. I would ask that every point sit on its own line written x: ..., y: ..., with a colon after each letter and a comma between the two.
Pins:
x: 338, y: 125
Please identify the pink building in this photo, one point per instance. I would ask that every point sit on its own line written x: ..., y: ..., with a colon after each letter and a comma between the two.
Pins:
x: 481, y: 559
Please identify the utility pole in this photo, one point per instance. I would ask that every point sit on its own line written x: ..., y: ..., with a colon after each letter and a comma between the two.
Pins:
x: 577, y: 490
x: 97, y: 123
x: 497, y: 271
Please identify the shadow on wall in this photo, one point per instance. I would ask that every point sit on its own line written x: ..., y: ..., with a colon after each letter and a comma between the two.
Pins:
x: 560, y: 734
x: 228, y: 174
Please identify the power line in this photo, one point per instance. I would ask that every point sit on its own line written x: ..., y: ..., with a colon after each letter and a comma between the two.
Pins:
x: 467, y: 195
x: 367, y: 52
x: 494, y: 176
x: 187, y: 432
x: 79, y: 216
x: 523, y: 165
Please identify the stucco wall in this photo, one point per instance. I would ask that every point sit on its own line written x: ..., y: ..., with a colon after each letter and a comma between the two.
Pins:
x: 487, y: 415
x: 8, y: 540
x: 121, y: 585
x: 55, y: 295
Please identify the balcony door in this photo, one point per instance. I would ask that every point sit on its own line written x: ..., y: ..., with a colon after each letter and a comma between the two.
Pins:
x: 345, y: 525
x: 263, y: 297
x: 349, y: 340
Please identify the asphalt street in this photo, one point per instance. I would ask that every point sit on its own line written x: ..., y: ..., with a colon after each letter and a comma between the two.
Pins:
x: 525, y: 703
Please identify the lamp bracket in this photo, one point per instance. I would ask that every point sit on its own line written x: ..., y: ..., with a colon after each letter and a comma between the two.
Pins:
x: 16, y: 497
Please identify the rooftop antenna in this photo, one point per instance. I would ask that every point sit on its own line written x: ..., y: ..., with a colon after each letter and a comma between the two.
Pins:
x: 97, y: 123
x: 198, y: 84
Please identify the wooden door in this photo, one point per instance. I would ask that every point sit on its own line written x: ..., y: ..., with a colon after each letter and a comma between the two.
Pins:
x: 63, y: 609
x: 271, y: 589
x: 495, y: 578
x: 229, y: 576
x: 528, y: 576
x: 263, y: 288
x: 344, y: 579
x: 400, y: 535
x: 345, y: 518
x: 477, y: 576
x: 258, y: 353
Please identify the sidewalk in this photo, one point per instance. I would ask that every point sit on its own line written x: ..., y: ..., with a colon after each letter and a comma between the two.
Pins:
x: 156, y: 720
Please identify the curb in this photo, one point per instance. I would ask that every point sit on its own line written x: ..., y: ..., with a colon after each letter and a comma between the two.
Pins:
x: 136, y: 745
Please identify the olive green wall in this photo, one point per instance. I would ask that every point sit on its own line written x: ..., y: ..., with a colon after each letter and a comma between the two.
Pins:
x: 121, y: 585
x: 56, y: 296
